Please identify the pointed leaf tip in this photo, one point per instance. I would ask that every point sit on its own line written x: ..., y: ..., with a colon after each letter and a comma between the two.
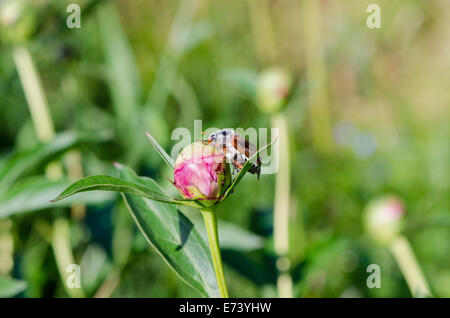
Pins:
x: 164, y: 155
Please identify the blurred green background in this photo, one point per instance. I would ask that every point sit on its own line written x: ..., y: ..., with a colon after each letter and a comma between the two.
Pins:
x: 368, y: 115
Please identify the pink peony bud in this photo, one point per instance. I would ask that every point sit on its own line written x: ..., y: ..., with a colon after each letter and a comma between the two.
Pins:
x: 202, y: 173
x: 383, y: 219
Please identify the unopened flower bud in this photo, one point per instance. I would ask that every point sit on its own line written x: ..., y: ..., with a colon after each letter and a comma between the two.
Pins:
x: 9, y: 12
x: 202, y: 173
x: 383, y: 219
x: 273, y: 90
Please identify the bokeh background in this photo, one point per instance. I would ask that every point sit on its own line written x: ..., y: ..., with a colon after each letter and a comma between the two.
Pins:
x: 368, y: 115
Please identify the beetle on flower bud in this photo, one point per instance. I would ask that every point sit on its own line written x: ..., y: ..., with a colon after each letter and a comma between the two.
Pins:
x: 202, y: 173
x: 236, y: 149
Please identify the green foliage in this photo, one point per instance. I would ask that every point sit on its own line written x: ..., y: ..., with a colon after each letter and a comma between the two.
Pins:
x: 169, y: 231
x: 36, y: 193
x: 103, y: 182
x: 21, y: 163
x: 11, y: 287
x: 157, y: 220
x: 173, y: 236
x: 137, y: 66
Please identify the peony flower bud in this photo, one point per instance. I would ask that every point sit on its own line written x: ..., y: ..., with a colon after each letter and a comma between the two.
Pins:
x: 10, y: 12
x: 273, y: 90
x: 383, y: 219
x: 202, y: 173
x: 18, y: 20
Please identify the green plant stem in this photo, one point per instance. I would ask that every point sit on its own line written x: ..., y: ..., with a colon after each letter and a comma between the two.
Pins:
x: 281, y: 209
x: 404, y: 255
x: 210, y: 219
x: 37, y: 103
x: 60, y: 241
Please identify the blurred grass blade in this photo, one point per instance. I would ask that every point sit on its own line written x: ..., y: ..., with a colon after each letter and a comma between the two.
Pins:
x: 10, y: 287
x: 242, y: 80
x: 199, y: 33
x: 161, y: 151
x: 108, y: 183
x: 122, y: 74
x: 123, y: 80
x: 172, y: 234
x: 234, y: 237
x: 244, y: 169
x: 21, y: 163
x: 95, y: 267
x: 179, y: 39
x: 185, y: 95
x: 35, y: 193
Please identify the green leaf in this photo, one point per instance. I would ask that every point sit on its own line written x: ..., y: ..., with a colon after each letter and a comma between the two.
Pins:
x: 21, y: 163
x: 35, y: 193
x: 172, y: 234
x: 167, y: 159
x: 108, y: 183
x: 244, y: 170
x: 10, y: 287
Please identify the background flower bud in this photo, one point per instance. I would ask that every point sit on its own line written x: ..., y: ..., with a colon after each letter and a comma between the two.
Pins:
x: 273, y: 90
x: 202, y: 173
x: 383, y: 219
x: 18, y: 19
x: 10, y: 12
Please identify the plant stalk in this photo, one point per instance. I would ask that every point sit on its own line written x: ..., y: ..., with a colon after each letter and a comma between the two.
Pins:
x: 210, y: 219
x: 281, y: 209
x: 37, y: 104
x: 60, y: 242
x: 404, y: 255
